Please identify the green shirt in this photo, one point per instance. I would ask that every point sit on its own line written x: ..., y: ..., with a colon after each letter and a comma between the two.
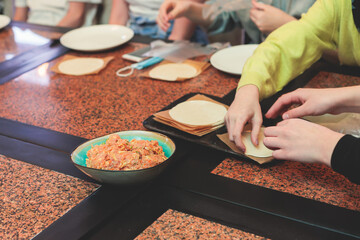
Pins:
x: 294, y: 47
x: 228, y: 20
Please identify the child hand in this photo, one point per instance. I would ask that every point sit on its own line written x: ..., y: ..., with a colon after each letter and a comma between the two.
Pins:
x: 245, y: 108
x: 268, y: 18
x: 171, y: 9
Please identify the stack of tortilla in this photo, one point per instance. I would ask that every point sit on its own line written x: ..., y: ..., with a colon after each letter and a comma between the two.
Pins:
x: 198, y: 115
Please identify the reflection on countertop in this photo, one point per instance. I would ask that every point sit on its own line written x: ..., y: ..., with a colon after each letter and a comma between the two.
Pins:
x: 15, y: 40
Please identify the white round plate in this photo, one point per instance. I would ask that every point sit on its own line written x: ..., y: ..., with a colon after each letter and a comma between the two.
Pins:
x: 97, y: 37
x: 4, y: 21
x: 232, y: 59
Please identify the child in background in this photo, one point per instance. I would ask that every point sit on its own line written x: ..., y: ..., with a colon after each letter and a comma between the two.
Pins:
x: 141, y: 17
x: 62, y: 13
x: 255, y: 17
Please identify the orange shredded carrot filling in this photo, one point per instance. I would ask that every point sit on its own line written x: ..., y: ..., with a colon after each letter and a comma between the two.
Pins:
x: 121, y: 154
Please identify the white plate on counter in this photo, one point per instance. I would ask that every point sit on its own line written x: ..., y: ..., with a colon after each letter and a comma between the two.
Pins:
x: 232, y: 60
x: 4, y: 21
x: 97, y: 37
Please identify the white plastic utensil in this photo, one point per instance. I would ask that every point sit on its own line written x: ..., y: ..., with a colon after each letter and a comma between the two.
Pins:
x: 141, y: 65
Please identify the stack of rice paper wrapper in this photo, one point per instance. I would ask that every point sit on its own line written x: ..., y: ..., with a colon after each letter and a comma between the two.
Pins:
x: 199, y: 115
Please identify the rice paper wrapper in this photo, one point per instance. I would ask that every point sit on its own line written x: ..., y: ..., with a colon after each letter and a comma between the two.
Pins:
x: 197, y: 65
x: 225, y: 139
x: 346, y: 123
x: 56, y: 69
x: 165, y: 118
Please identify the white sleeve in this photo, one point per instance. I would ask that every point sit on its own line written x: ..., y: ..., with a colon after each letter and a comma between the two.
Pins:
x: 20, y: 3
x: 88, y: 1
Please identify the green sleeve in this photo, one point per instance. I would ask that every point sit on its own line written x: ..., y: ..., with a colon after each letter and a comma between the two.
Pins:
x: 291, y: 49
x: 224, y: 22
x: 227, y: 21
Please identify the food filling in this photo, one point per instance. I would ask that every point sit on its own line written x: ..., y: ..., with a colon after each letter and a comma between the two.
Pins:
x: 121, y: 154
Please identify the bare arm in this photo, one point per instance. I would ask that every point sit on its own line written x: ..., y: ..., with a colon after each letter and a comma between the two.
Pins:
x: 119, y: 12
x: 21, y: 14
x: 173, y: 9
x: 75, y: 15
x: 349, y: 100
x: 183, y: 27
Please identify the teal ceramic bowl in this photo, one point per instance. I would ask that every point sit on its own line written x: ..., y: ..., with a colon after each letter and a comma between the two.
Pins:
x: 126, y: 177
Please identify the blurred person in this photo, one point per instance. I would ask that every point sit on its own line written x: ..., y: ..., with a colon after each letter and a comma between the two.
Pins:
x: 299, y: 140
x: 141, y: 17
x: 289, y: 51
x: 216, y: 17
x: 2, y: 6
x: 62, y: 13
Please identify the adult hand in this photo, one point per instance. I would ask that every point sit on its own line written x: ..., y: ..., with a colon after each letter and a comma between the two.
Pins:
x: 300, y: 140
x: 169, y: 10
x: 268, y: 18
x: 312, y: 102
x: 245, y: 108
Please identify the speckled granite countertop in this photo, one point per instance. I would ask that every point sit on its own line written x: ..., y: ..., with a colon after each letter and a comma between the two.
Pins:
x: 311, y: 181
x: 31, y: 198
x: 177, y: 225
x: 16, y: 40
x: 95, y: 105
x: 85, y: 106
